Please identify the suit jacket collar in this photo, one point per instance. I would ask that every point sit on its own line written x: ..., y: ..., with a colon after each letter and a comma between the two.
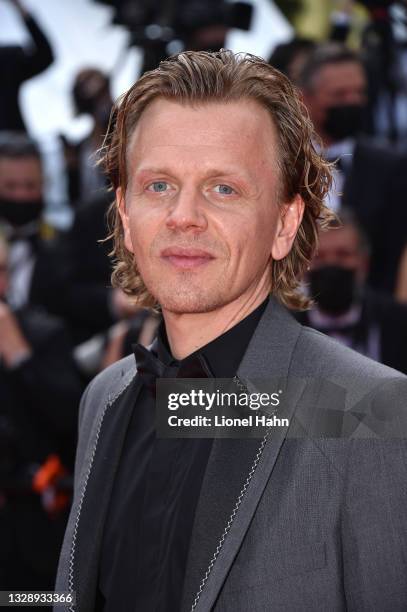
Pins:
x: 221, y: 521
x: 99, y: 479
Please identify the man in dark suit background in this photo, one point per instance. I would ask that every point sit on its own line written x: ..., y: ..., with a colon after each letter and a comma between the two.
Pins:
x: 219, y: 197
x: 22, y: 208
x: 369, y: 176
x: 346, y: 309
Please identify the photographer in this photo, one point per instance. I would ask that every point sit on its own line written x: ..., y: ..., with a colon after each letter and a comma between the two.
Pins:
x: 18, y: 65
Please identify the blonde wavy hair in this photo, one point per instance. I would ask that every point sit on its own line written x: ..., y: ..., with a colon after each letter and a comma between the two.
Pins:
x: 223, y: 76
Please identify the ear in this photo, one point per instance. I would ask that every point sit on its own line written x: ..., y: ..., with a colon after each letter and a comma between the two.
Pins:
x: 289, y: 220
x: 121, y: 205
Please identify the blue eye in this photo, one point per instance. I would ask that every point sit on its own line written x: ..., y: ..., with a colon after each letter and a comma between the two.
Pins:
x: 158, y: 186
x: 224, y: 189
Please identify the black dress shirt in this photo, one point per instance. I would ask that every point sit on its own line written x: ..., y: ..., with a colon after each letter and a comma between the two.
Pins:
x: 150, y: 517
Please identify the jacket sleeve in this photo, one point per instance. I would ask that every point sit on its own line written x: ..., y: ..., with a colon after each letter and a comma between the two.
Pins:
x: 41, y: 57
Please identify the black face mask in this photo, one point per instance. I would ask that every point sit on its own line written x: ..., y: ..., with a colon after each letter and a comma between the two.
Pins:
x: 19, y: 213
x: 333, y: 288
x: 344, y: 121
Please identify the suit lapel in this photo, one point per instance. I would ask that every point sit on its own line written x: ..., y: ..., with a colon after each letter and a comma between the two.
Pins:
x: 98, y: 491
x: 268, y: 356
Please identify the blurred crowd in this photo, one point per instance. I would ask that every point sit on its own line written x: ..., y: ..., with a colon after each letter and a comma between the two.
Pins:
x: 61, y: 322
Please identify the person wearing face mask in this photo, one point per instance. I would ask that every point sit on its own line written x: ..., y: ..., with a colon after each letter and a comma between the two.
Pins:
x: 66, y: 274
x: 368, y: 177
x: 21, y: 216
x: 345, y: 308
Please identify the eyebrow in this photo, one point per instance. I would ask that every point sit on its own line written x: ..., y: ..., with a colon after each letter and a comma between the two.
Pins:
x: 210, y: 172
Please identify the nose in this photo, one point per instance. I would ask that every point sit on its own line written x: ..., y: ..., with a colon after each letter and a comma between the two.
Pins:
x: 187, y: 212
x: 355, y: 95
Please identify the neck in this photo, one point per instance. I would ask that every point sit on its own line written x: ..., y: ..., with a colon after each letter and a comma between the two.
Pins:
x: 188, y: 332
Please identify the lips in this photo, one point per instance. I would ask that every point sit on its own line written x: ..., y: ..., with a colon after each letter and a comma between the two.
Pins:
x: 186, y: 258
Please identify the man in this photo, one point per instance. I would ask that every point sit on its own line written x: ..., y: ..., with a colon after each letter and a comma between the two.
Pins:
x: 334, y: 86
x: 21, y: 215
x: 218, y: 193
x: 346, y: 308
x: 289, y: 57
x: 91, y: 95
x: 368, y: 177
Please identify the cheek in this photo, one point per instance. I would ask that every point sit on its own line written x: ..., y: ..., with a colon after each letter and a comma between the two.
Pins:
x: 140, y: 235
x: 263, y: 233
x: 251, y: 239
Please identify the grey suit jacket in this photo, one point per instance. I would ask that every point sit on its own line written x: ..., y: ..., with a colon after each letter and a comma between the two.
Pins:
x: 297, y: 521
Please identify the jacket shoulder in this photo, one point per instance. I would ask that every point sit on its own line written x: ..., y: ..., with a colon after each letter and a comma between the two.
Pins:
x: 372, y: 393
x: 323, y: 356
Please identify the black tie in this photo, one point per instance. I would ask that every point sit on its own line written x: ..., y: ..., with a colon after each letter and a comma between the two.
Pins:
x: 150, y: 367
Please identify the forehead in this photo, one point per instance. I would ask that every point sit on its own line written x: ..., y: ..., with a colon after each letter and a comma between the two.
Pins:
x: 21, y: 167
x: 345, y: 237
x: 235, y: 133
x: 341, y: 74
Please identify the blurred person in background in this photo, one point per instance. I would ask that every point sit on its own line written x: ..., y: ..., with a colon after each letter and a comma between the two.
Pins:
x: 289, y: 57
x: 368, y: 177
x: 40, y: 390
x: 384, y: 47
x: 21, y: 215
x: 18, y: 65
x: 67, y: 275
x: 346, y: 309
x: 91, y: 96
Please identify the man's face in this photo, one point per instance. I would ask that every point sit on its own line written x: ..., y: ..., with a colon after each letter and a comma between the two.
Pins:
x: 335, y: 85
x: 20, y: 179
x: 200, y: 211
x: 341, y: 247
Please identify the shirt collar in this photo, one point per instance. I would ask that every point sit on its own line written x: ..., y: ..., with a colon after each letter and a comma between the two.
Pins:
x: 224, y: 353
